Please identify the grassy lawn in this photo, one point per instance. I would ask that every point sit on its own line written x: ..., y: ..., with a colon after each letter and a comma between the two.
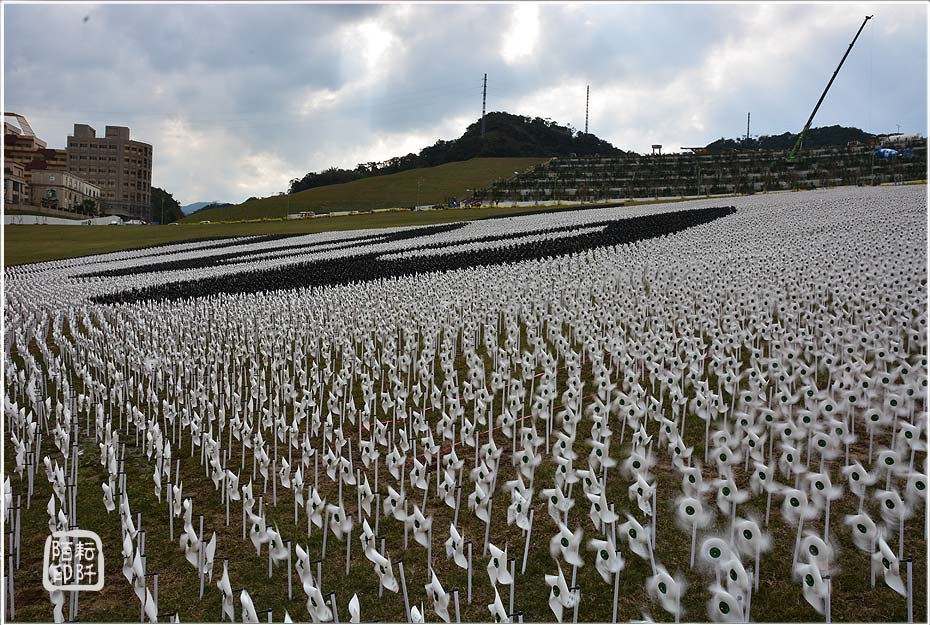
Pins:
x: 39, y: 243
x: 391, y: 191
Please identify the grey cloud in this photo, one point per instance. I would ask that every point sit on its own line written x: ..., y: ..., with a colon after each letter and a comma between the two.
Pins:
x: 235, y: 77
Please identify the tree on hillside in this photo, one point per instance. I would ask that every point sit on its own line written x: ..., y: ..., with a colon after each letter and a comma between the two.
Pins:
x: 163, y: 199
x: 816, y: 138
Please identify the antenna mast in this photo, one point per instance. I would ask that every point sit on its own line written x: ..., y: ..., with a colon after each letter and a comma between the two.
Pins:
x: 587, y: 103
x: 484, y: 99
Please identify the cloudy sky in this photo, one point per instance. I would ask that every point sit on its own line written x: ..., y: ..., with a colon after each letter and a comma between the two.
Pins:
x: 239, y: 99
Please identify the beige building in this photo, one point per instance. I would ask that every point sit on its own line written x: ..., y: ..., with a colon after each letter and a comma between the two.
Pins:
x: 14, y: 184
x: 23, y: 147
x: 63, y: 190
x: 119, y: 166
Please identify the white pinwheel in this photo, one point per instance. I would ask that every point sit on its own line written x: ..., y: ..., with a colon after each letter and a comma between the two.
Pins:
x: 607, y: 558
x: 560, y: 597
x: 558, y: 504
x: 666, y: 590
x: 455, y: 548
x: 723, y: 607
x: 385, y: 571
x: 226, y: 593
x: 637, y: 537
x: 813, y: 585
x: 498, y: 612
x: 440, y: 599
x: 420, y: 525
x: 497, y: 566
x: 567, y: 544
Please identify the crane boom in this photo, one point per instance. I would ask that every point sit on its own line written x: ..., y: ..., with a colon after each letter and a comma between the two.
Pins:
x: 797, y: 146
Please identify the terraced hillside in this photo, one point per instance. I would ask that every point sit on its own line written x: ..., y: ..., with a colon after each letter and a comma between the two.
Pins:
x: 674, y: 175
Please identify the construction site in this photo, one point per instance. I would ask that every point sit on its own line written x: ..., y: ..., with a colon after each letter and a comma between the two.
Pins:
x: 638, y: 176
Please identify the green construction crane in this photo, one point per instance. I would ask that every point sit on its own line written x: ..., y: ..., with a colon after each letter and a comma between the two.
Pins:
x: 800, y: 142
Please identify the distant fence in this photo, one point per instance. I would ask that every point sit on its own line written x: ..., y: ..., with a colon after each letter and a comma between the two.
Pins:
x: 26, y: 220
x: 32, y: 209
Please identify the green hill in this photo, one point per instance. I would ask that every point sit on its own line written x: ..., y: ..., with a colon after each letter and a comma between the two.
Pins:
x: 437, y: 184
x: 505, y: 135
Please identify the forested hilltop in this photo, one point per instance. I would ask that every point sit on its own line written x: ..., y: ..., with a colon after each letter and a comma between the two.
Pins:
x: 816, y: 138
x: 506, y: 135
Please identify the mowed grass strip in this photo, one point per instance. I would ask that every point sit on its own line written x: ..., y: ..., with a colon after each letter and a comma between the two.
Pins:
x: 436, y: 185
x: 40, y: 243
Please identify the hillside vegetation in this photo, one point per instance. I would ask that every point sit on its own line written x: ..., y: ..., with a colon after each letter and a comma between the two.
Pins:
x: 505, y: 135
x: 816, y: 138
x: 163, y: 203
x: 436, y: 185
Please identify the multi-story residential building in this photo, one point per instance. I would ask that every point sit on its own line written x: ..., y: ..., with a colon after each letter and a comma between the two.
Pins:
x: 23, y: 147
x: 64, y: 191
x: 120, y: 166
x: 14, y: 184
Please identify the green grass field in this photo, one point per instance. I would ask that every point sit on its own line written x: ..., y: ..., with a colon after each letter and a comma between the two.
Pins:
x: 391, y: 191
x: 38, y: 243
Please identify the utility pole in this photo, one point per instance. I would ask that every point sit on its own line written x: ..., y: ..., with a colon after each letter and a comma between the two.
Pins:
x: 161, y: 201
x: 484, y: 100
x: 747, y: 125
x: 587, y: 104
